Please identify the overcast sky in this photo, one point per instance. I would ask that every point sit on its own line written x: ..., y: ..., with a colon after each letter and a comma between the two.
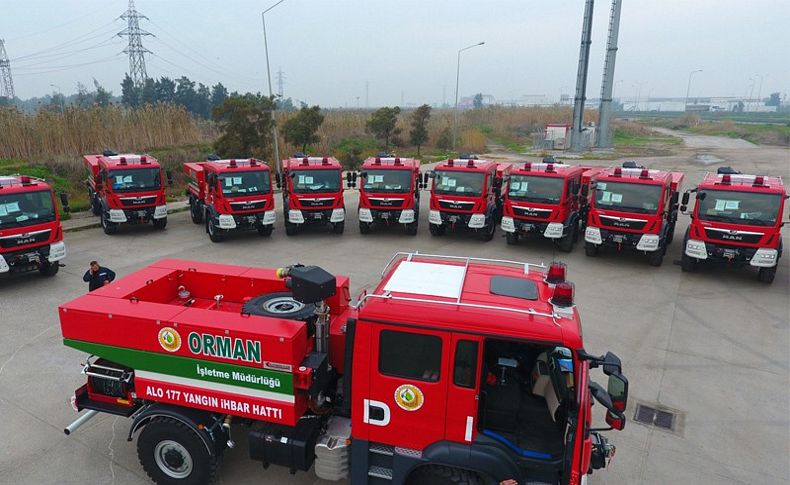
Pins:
x: 404, y: 49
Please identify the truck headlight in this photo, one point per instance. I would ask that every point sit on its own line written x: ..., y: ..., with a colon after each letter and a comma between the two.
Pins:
x: 117, y: 215
x: 338, y: 215
x: 160, y: 212
x: 226, y: 221
x: 477, y: 221
x: 365, y: 215
x: 764, y: 258
x: 269, y: 217
x: 592, y: 235
x: 435, y: 217
x: 696, y: 249
x: 648, y: 242
x: 508, y: 225
x: 295, y: 216
x: 553, y: 230
x: 406, y: 216
x: 57, y: 251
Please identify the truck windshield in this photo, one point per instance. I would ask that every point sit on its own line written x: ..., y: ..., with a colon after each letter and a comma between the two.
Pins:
x: 468, y: 184
x: 397, y: 181
x: 26, y: 209
x: 305, y: 181
x: 737, y: 207
x: 245, y: 183
x: 640, y: 198
x: 536, y: 189
x: 135, y: 180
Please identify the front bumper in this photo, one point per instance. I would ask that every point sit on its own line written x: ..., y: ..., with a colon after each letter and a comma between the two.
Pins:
x: 245, y: 222
x: 32, y: 259
x: 623, y: 240
x: 137, y: 216
x: 386, y: 217
x: 328, y: 216
x: 757, y: 257
x: 550, y: 230
x: 457, y: 220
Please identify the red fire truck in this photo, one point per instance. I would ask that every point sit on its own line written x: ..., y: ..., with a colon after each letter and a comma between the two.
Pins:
x: 737, y: 219
x: 313, y: 193
x: 633, y: 208
x: 126, y: 189
x: 390, y: 194
x: 466, y: 194
x: 231, y: 195
x: 546, y: 199
x: 31, y: 237
x: 452, y: 370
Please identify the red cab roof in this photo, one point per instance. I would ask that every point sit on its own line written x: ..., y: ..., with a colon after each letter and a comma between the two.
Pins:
x: 233, y: 164
x: 749, y: 183
x: 123, y: 160
x: 21, y: 183
x: 467, y: 164
x: 311, y: 163
x: 391, y: 162
x: 545, y: 169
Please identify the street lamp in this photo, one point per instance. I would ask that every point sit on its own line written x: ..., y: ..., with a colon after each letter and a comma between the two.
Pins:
x: 688, y: 88
x: 760, y: 89
x: 269, y: 77
x: 457, y: 80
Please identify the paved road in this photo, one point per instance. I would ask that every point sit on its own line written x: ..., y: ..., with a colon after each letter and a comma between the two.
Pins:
x: 712, y: 345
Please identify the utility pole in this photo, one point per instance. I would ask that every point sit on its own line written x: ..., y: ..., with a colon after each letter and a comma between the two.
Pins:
x: 581, y: 78
x: 6, y: 81
x: 280, y: 82
x: 135, y: 49
x: 444, y: 95
x: 607, y: 88
x: 688, y: 87
x: 457, y: 84
x: 275, y: 141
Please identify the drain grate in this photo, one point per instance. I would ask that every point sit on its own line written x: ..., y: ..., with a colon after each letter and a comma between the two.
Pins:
x: 654, y: 417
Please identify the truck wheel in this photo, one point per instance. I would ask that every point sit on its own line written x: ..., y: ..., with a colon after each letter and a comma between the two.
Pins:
x: 436, y: 230
x: 196, y: 211
x: 767, y: 275
x: 512, y: 238
x: 49, y: 269
x: 338, y: 227
x: 160, y: 223
x: 213, y: 233
x: 656, y: 258
x: 172, y: 453
x: 442, y: 475
x: 566, y: 242
x: 590, y: 249
x: 411, y: 229
x: 95, y: 206
x: 291, y: 229
x: 109, y: 228
x: 364, y: 227
x: 279, y: 305
x: 266, y: 231
x: 687, y: 264
x: 487, y: 233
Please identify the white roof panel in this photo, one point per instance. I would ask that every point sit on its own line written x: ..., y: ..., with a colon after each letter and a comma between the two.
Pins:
x: 427, y: 279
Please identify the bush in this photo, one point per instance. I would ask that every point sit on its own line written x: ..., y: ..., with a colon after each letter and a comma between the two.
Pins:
x: 353, y: 151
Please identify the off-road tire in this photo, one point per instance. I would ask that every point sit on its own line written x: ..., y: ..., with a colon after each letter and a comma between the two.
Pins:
x: 108, y: 227
x: 566, y: 242
x: 214, y: 233
x: 590, y: 249
x: 687, y: 263
x: 411, y: 229
x: 265, y: 231
x: 160, y: 223
x: 49, y: 269
x: 766, y: 275
x: 95, y: 206
x: 279, y: 305
x: 436, y: 230
x: 196, y: 211
x: 442, y: 475
x: 511, y: 238
x: 364, y: 227
x: 656, y: 258
x: 338, y: 227
x: 487, y: 233
x: 204, y: 466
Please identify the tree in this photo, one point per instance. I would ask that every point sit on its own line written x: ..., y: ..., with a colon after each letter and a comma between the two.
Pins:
x: 165, y: 90
x: 103, y: 97
x: 382, y: 124
x: 246, y: 125
x: 185, y: 93
x: 218, y: 95
x: 445, y: 140
x: 202, y: 105
x: 130, y: 95
x: 478, y: 100
x: 5, y: 101
x: 773, y: 100
x: 419, y: 129
x: 83, y: 98
x: 302, y: 128
x: 148, y: 93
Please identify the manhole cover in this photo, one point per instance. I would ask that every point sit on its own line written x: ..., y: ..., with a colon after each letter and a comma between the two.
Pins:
x: 656, y: 416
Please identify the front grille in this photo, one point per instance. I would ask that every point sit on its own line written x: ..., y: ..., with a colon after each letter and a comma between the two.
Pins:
x: 25, y: 239
x: 248, y: 205
x: 623, y: 223
x: 733, y: 237
x: 386, y: 203
x: 456, y: 205
x: 531, y: 212
x: 317, y: 202
x: 138, y: 201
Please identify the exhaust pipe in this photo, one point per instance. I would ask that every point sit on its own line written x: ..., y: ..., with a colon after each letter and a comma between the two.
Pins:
x: 80, y: 421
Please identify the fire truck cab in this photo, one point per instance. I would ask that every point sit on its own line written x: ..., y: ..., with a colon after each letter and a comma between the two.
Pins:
x: 452, y: 370
x: 466, y: 194
x: 231, y: 195
x: 737, y: 219
x: 546, y: 199
x: 312, y: 193
x: 31, y: 237
x: 633, y: 208
x: 126, y: 189
x: 389, y: 194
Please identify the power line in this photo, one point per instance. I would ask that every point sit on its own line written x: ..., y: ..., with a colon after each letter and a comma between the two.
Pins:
x: 90, y: 13
x: 135, y: 49
x: 67, y: 67
x: 72, y: 42
x: 63, y: 55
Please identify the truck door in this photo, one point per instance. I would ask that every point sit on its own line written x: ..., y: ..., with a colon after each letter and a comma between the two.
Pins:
x: 407, y: 400
x: 466, y: 365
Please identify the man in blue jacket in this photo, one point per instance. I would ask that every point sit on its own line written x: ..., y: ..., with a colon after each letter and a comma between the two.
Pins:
x: 98, y: 276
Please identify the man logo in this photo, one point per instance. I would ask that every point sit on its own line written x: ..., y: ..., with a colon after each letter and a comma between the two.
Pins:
x: 169, y: 339
x: 409, y: 397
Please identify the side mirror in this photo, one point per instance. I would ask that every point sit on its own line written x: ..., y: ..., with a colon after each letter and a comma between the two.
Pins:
x: 363, y: 175
x: 611, y: 364
x: 585, y: 190
x: 169, y: 176
x: 617, y: 388
x: 701, y: 195
x: 278, y: 180
x: 349, y: 178
x: 685, y: 200
x: 674, y: 198
x: 600, y: 395
x: 64, y: 201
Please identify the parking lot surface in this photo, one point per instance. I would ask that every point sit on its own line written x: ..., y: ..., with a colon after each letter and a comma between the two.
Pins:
x: 712, y: 346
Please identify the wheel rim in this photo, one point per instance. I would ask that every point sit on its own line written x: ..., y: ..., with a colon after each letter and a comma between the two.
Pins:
x: 283, y: 305
x: 211, y: 228
x: 173, y: 459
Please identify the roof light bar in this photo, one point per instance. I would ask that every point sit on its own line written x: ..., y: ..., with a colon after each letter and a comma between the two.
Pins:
x: 450, y: 162
x: 644, y: 174
x: 618, y: 172
x: 563, y: 295
x: 527, y: 166
x: 557, y: 273
x: 759, y: 181
x: 725, y: 179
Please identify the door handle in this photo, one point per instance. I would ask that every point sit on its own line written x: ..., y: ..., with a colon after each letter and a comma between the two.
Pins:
x: 376, y: 413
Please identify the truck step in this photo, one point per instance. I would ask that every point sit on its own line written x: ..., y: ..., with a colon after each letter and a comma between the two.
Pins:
x: 379, y: 449
x: 380, y: 472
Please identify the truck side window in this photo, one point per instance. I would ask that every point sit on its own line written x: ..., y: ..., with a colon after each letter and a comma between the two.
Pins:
x: 410, y: 355
x: 465, y: 366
